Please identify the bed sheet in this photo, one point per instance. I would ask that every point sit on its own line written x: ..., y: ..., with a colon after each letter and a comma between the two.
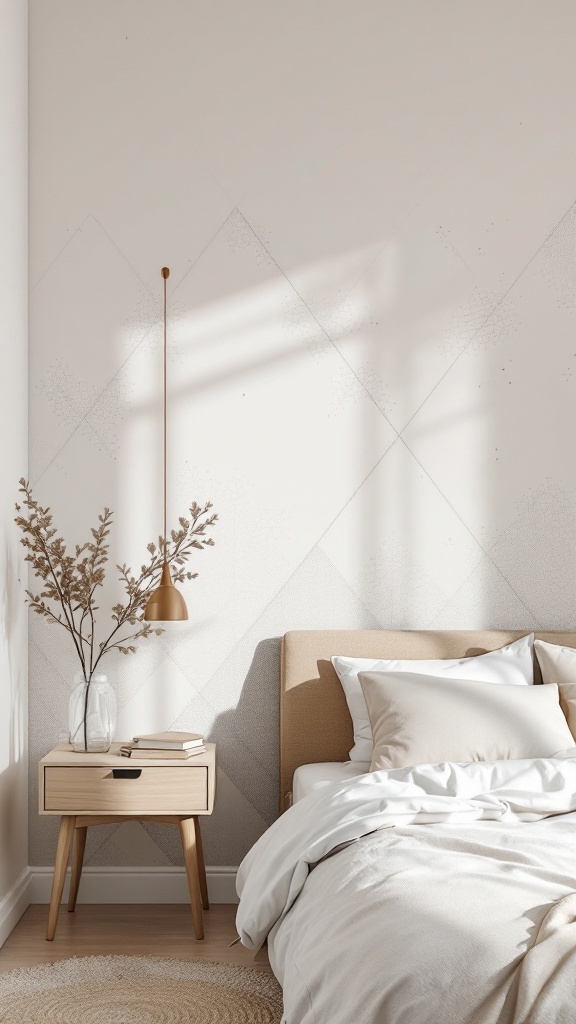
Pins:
x: 309, y: 777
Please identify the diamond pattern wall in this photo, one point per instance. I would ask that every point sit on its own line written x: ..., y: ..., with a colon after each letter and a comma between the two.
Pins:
x: 368, y: 212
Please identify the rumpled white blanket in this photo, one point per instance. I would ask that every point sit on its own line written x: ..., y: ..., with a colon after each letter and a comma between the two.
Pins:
x: 429, y: 918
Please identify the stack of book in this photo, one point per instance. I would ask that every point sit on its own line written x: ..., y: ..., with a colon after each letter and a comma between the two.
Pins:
x: 165, y: 746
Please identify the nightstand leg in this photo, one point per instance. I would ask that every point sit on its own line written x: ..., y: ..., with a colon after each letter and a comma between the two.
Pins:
x: 188, y: 836
x: 77, y: 862
x: 62, y: 854
x: 201, y: 865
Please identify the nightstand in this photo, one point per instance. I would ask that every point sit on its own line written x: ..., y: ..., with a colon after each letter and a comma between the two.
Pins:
x: 99, y: 789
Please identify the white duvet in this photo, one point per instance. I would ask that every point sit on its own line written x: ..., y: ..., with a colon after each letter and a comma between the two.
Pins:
x: 457, y: 904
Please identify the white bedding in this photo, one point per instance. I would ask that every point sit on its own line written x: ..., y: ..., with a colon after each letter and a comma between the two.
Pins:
x: 309, y: 777
x: 459, y: 871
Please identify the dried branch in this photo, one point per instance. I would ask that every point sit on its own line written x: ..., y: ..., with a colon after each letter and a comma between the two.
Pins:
x: 70, y: 582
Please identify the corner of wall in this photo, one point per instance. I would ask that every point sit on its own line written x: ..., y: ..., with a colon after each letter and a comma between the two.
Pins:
x: 14, y: 872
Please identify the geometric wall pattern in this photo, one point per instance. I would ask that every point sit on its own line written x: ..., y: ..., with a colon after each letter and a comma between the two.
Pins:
x: 369, y: 215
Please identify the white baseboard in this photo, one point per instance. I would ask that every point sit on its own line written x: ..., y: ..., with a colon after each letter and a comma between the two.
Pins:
x: 113, y: 885
x: 13, y: 905
x: 134, y: 885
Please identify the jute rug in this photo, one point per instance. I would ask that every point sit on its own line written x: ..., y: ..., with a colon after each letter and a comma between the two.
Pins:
x: 138, y: 990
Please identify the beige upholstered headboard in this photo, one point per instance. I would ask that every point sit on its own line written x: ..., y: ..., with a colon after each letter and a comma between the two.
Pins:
x: 314, y: 721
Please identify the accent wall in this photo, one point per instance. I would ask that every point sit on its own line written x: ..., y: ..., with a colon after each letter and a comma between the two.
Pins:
x: 368, y: 210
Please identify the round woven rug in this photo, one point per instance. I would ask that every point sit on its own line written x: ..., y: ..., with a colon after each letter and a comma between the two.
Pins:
x: 138, y: 990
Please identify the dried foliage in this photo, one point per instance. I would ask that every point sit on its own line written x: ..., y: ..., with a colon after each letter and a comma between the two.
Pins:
x: 70, y: 582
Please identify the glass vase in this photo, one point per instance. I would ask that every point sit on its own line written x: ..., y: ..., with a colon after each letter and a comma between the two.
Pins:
x: 92, y: 714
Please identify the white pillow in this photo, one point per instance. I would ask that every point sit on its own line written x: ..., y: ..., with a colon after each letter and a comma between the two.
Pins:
x: 420, y: 719
x: 558, y: 665
x: 510, y: 664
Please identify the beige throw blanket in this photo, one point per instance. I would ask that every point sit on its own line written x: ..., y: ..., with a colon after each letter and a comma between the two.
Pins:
x: 547, y: 977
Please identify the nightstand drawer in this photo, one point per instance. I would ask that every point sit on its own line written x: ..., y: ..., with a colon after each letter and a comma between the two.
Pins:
x: 162, y: 790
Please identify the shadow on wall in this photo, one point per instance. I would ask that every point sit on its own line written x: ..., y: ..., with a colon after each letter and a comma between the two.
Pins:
x: 13, y: 720
x: 258, y: 705
x: 12, y: 617
x: 247, y: 736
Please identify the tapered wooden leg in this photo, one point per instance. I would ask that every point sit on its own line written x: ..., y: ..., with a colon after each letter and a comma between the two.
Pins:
x: 77, y: 862
x: 188, y: 836
x: 65, y: 837
x: 201, y: 865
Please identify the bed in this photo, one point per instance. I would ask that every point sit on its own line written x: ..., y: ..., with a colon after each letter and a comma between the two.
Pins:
x: 442, y: 893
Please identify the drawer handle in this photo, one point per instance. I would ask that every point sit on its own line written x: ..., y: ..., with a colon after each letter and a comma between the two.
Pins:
x: 126, y: 773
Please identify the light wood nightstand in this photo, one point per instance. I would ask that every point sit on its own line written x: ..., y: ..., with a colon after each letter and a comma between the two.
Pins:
x: 98, y: 789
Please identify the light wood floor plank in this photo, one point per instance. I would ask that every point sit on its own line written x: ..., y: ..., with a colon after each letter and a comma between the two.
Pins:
x: 128, y: 930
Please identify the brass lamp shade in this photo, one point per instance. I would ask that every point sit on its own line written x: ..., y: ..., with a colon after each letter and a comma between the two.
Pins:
x: 166, y: 604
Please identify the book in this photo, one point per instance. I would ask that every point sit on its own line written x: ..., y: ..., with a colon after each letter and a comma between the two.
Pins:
x: 169, y: 740
x: 165, y: 755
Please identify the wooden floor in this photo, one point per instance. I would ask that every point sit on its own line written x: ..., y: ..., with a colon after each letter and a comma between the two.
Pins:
x: 129, y: 930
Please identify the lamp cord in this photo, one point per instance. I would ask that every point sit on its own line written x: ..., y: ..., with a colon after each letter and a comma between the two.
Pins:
x: 165, y: 273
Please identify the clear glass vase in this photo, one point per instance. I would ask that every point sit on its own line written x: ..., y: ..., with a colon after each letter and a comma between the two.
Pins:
x: 92, y: 714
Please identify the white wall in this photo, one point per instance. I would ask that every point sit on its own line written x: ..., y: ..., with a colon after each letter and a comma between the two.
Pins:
x: 368, y: 210
x: 14, y: 453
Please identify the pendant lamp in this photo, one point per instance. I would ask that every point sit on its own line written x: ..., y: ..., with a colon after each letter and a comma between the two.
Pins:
x: 166, y: 603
